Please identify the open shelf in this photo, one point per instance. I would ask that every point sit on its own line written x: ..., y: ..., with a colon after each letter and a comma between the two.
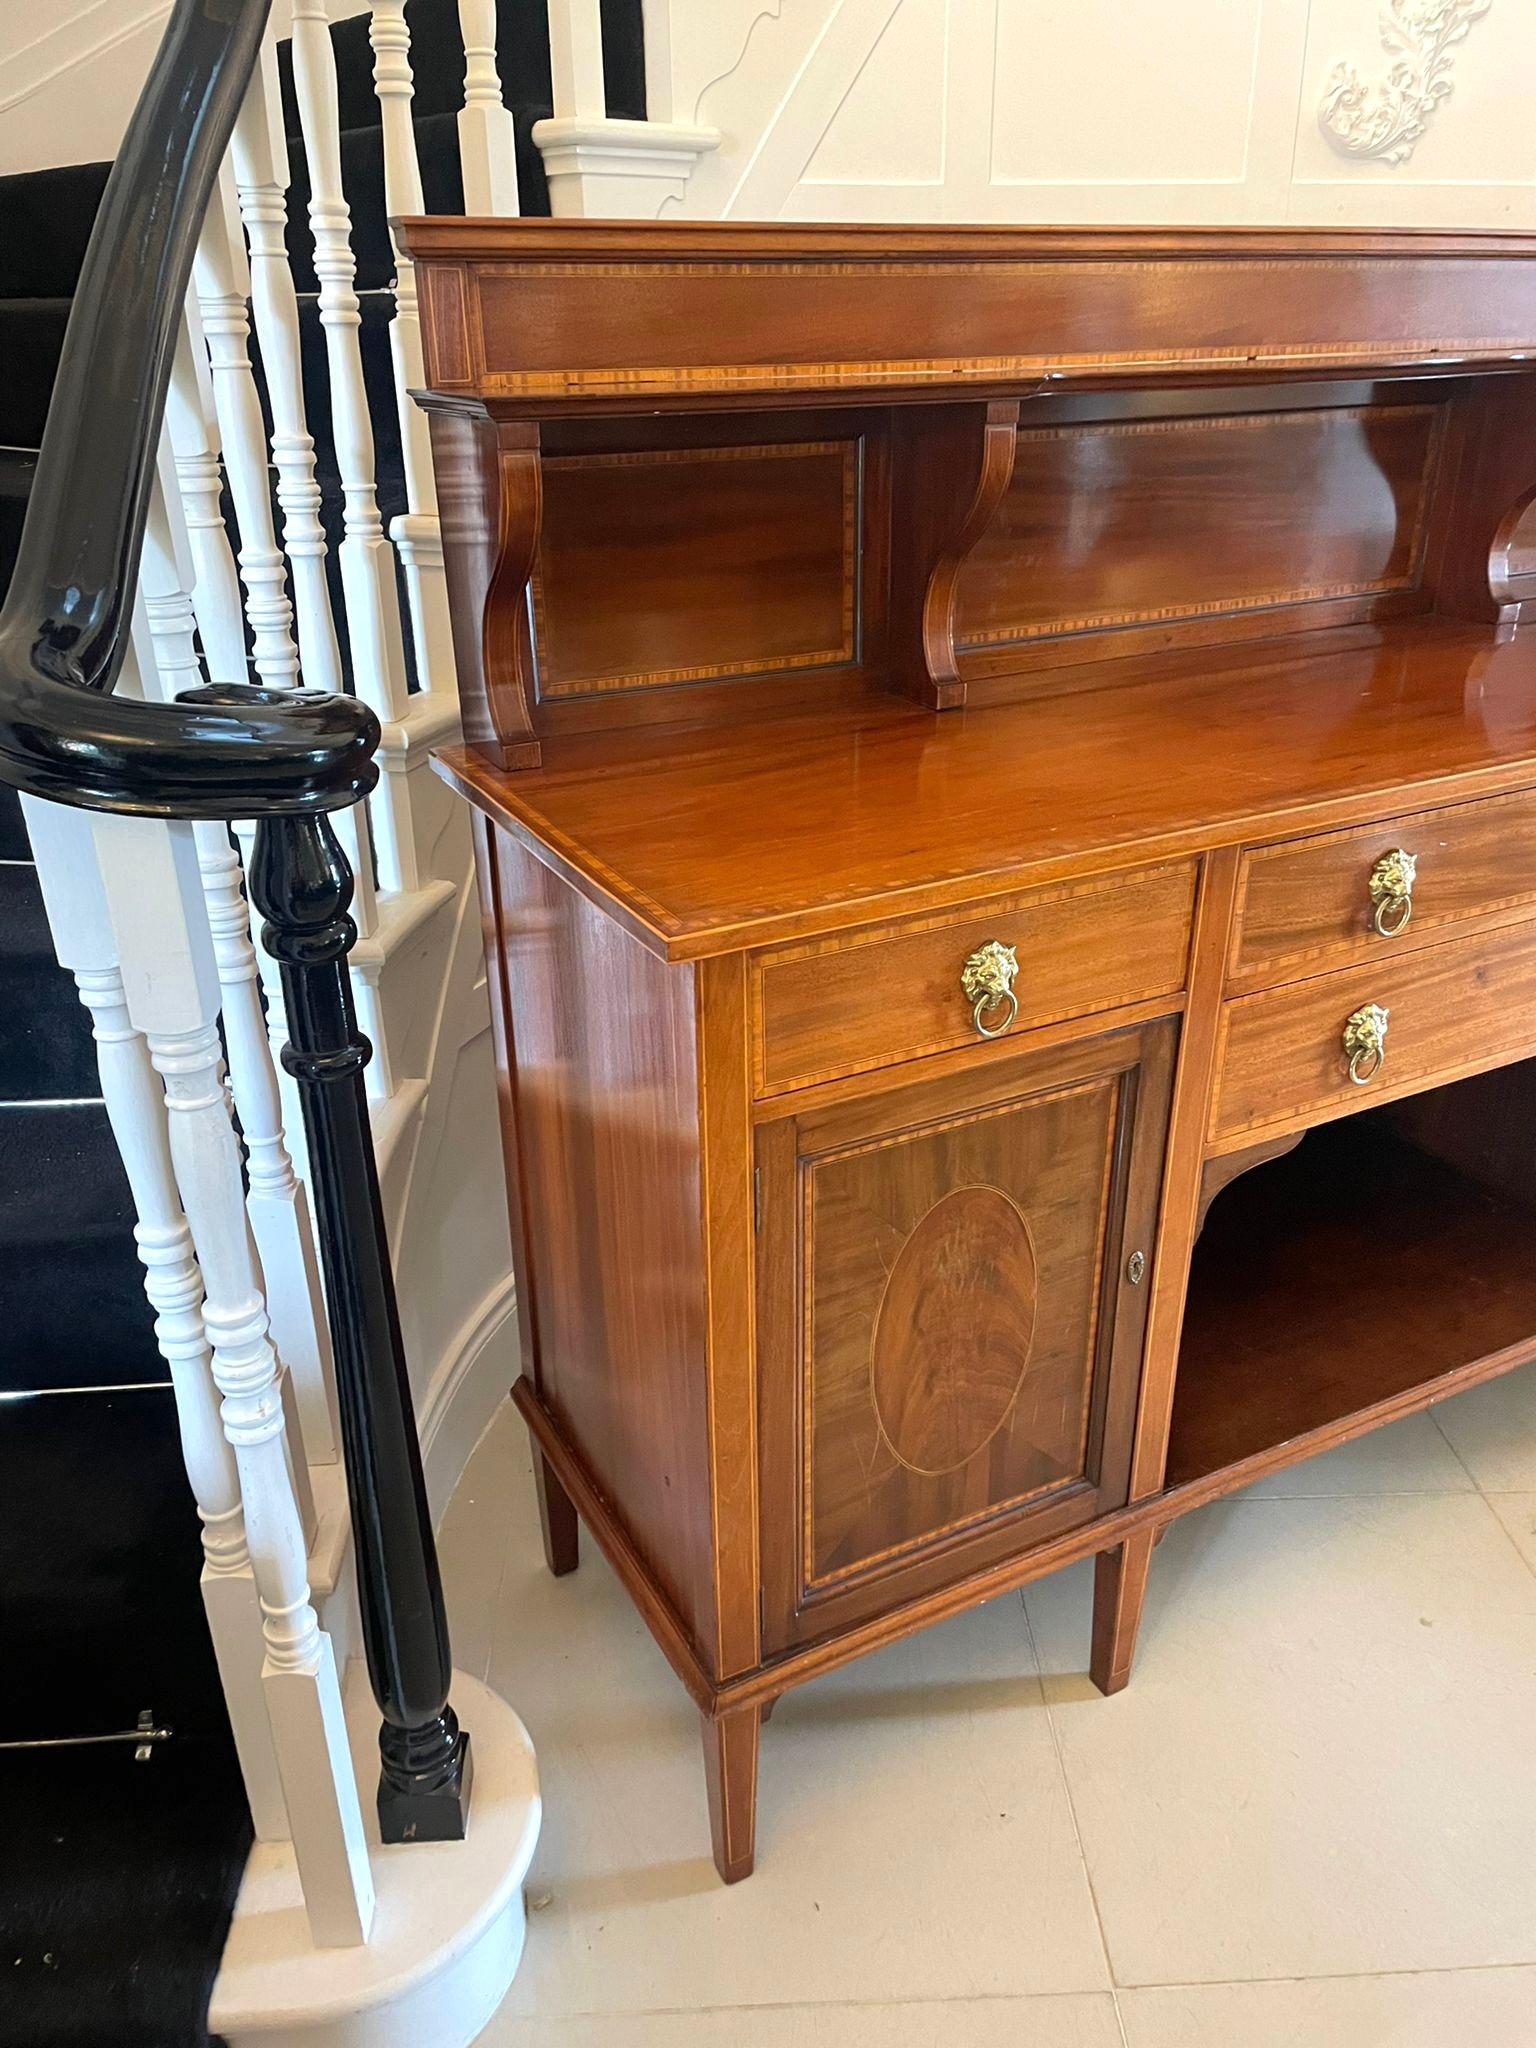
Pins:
x: 1357, y: 1276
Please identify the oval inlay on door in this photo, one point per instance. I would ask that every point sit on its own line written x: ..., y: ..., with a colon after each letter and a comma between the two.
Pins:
x: 953, y: 1331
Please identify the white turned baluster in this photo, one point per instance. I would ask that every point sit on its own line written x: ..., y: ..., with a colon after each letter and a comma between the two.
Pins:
x: 416, y: 533
x: 576, y: 60
x: 155, y: 900
x: 487, y: 136
x: 216, y: 588
x: 200, y: 477
x: 64, y: 849
x: 367, y: 561
x: 259, y: 154
x: 220, y: 289
x: 276, y: 1200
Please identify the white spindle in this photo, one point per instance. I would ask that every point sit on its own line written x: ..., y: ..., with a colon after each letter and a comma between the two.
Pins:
x: 155, y: 900
x: 259, y: 154
x: 219, y: 283
x: 199, y: 475
x: 195, y: 446
x: 277, y: 1202
x: 367, y: 562
x: 416, y: 533
x: 576, y: 60
x: 487, y: 137
x: 166, y: 645
x: 64, y: 849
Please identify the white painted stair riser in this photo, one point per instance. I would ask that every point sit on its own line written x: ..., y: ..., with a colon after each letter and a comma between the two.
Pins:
x: 448, y: 1927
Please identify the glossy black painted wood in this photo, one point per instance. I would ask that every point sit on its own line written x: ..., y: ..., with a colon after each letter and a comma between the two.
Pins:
x: 302, y: 886
x: 64, y: 629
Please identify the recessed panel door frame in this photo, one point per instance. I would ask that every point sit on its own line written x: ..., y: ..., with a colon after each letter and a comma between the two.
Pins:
x: 856, y: 1367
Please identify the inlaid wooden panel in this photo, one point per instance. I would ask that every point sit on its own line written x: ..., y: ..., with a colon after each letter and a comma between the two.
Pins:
x: 952, y: 1340
x: 692, y: 564
x: 1453, y: 1009
x: 614, y: 314
x: 860, y: 1001
x: 1306, y: 906
x: 1127, y: 523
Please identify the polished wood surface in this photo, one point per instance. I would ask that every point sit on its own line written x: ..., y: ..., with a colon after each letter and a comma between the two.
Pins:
x: 837, y: 1006
x: 1355, y: 1268
x: 606, y: 1160
x: 830, y: 602
x: 744, y: 561
x: 1453, y: 1009
x: 913, y: 811
x: 948, y: 1344
x: 1307, y: 907
x: 547, y: 313
x: 1199, y: 520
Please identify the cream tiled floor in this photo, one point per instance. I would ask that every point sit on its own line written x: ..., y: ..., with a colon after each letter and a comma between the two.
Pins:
x: 1310, y: 1819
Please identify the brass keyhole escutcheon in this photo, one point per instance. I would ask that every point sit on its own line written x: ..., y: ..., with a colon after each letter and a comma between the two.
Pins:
x: 1391, y: 887
x: 1365, y: 1042
x: 987, y: 979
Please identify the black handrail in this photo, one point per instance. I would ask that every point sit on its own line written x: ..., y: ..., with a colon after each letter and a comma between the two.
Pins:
x: 233, y: 750
x: 65, y: 627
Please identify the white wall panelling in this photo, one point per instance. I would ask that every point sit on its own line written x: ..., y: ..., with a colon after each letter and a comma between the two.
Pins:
x: 1167, y: 111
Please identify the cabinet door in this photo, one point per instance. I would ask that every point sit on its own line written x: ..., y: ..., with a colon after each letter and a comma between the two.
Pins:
x: 950, y: 1320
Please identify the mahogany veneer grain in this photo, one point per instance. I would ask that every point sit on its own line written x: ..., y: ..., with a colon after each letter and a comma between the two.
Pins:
x: 829, y: 601
x: 1353, y: 1270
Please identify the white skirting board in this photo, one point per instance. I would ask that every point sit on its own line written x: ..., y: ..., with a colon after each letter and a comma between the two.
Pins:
x: 448, y: 1931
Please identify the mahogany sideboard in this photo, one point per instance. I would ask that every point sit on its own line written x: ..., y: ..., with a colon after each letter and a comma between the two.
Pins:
x: 1005, y: 782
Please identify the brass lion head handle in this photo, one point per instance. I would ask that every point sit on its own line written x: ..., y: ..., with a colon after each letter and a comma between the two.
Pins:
x: 1365, y: 1042
x: 1391, y: 887
x: 987, y: 978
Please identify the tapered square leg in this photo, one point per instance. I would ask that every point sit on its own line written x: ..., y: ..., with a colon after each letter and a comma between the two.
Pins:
x: 730, y: 1775
x: 1119, y: 1589
x: 557, y: 1519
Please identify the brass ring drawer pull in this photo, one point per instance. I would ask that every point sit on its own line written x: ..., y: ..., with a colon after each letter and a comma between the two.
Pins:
x: 1365, y: 1043
x: 1391, y: 887
x: 987, y: 978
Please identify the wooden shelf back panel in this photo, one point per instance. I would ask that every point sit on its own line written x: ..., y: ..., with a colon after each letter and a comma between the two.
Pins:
x: 1120, y: 524
x: 1346, y: 1274
x: 539, y: 312
x: 680, y: 565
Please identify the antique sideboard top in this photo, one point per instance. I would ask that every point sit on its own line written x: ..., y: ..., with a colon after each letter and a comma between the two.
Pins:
x: 803, y: 575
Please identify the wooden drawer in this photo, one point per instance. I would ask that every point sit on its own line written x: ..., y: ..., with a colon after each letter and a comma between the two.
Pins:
x: 855, y: 1002
x: 1306, y: 906
x: 1452, y: 1009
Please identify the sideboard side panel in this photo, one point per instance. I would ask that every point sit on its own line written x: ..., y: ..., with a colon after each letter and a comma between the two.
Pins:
x: 605, y: 1109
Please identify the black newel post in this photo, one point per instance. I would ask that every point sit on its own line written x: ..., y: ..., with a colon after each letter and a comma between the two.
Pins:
x: 301, y: 884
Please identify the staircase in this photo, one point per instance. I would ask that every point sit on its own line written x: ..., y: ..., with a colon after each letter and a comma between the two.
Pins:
x: 123, y: 1856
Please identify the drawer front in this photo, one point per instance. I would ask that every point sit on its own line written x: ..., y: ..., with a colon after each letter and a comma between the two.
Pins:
x: 850, y: 1004
x: 1308, y: 906
x: 1451, y: 1010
